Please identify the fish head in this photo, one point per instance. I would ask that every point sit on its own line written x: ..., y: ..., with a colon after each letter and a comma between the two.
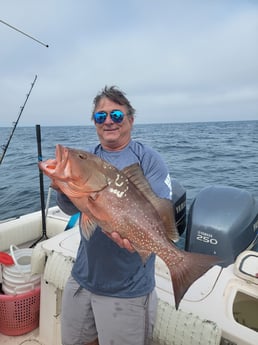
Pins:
x: 75, y: 172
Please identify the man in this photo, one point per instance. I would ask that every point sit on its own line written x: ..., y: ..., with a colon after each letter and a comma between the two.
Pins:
x: 110, y: 297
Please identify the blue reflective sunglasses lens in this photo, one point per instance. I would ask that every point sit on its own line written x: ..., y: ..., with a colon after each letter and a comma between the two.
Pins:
x: 116, y: 115
x: 100, y: 117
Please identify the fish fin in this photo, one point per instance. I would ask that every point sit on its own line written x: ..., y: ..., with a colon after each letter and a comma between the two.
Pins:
x: 185, y: 273
x: 87, y: 225
x: 93, y: 196
x: 164, y: 207
x: 135, y: 174
x: 165, y: 210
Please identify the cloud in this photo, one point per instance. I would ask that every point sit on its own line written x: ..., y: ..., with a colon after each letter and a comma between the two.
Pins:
x: 189, y: 61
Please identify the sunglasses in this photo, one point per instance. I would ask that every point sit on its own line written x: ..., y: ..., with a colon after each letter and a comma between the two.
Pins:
x: 116, y: 115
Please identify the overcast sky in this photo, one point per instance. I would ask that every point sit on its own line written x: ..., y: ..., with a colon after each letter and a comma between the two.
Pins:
x: 177, y: 61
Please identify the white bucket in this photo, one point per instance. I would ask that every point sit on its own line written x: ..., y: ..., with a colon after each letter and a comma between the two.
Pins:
x: 17, y: 279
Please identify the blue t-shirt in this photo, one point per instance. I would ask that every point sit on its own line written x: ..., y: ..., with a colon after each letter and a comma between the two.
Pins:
x: 101, y: 266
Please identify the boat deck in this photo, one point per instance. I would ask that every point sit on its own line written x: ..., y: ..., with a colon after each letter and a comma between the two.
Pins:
x: 194, y: 323
x: 31, y: 338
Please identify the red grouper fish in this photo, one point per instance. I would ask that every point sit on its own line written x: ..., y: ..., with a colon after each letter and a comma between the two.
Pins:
x: 123, y: 201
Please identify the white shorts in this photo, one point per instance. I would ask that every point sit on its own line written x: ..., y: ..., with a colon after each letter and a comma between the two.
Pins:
x: 115, y: 321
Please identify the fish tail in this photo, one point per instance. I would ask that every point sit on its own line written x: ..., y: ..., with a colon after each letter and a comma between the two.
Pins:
x: 184, y: 273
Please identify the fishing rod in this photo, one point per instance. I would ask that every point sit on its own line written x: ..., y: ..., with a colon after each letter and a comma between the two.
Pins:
x: 5, y: 147
x: 41, y: 185
x: 14, y: 28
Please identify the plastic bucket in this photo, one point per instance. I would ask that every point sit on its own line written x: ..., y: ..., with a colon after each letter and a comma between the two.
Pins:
x: 17, y: 279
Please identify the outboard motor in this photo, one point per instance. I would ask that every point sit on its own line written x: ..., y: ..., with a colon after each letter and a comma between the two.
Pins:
x: 222, y: 221
x: 179, y: 201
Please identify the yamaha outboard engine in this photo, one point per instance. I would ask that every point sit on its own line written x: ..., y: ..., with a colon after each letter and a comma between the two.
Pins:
x: 222, y: 221
x: 179, y: 201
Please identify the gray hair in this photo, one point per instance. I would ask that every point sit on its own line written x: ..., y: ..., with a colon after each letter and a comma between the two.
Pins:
x: 116, y: 96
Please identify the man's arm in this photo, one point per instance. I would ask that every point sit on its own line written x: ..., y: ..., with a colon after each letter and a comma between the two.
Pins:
x: 65, y: 204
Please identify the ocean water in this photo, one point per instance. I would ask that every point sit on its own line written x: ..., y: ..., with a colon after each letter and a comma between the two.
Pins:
x: 197, y: 154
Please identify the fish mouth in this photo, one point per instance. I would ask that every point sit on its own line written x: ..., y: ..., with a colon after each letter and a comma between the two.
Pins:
x: 49, y: 166
x: 56, y: 167
x: 61, y: 154
x: 61, y: 162
x: 66, y: 171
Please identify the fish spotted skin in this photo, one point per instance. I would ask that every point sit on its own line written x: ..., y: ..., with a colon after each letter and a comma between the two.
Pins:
x: 123, y: 201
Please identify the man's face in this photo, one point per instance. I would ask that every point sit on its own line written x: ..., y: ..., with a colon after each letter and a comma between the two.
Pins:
x: 113, y: 136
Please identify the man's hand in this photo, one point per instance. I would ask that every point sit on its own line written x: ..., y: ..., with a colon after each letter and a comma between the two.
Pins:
x: 121, y: 242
